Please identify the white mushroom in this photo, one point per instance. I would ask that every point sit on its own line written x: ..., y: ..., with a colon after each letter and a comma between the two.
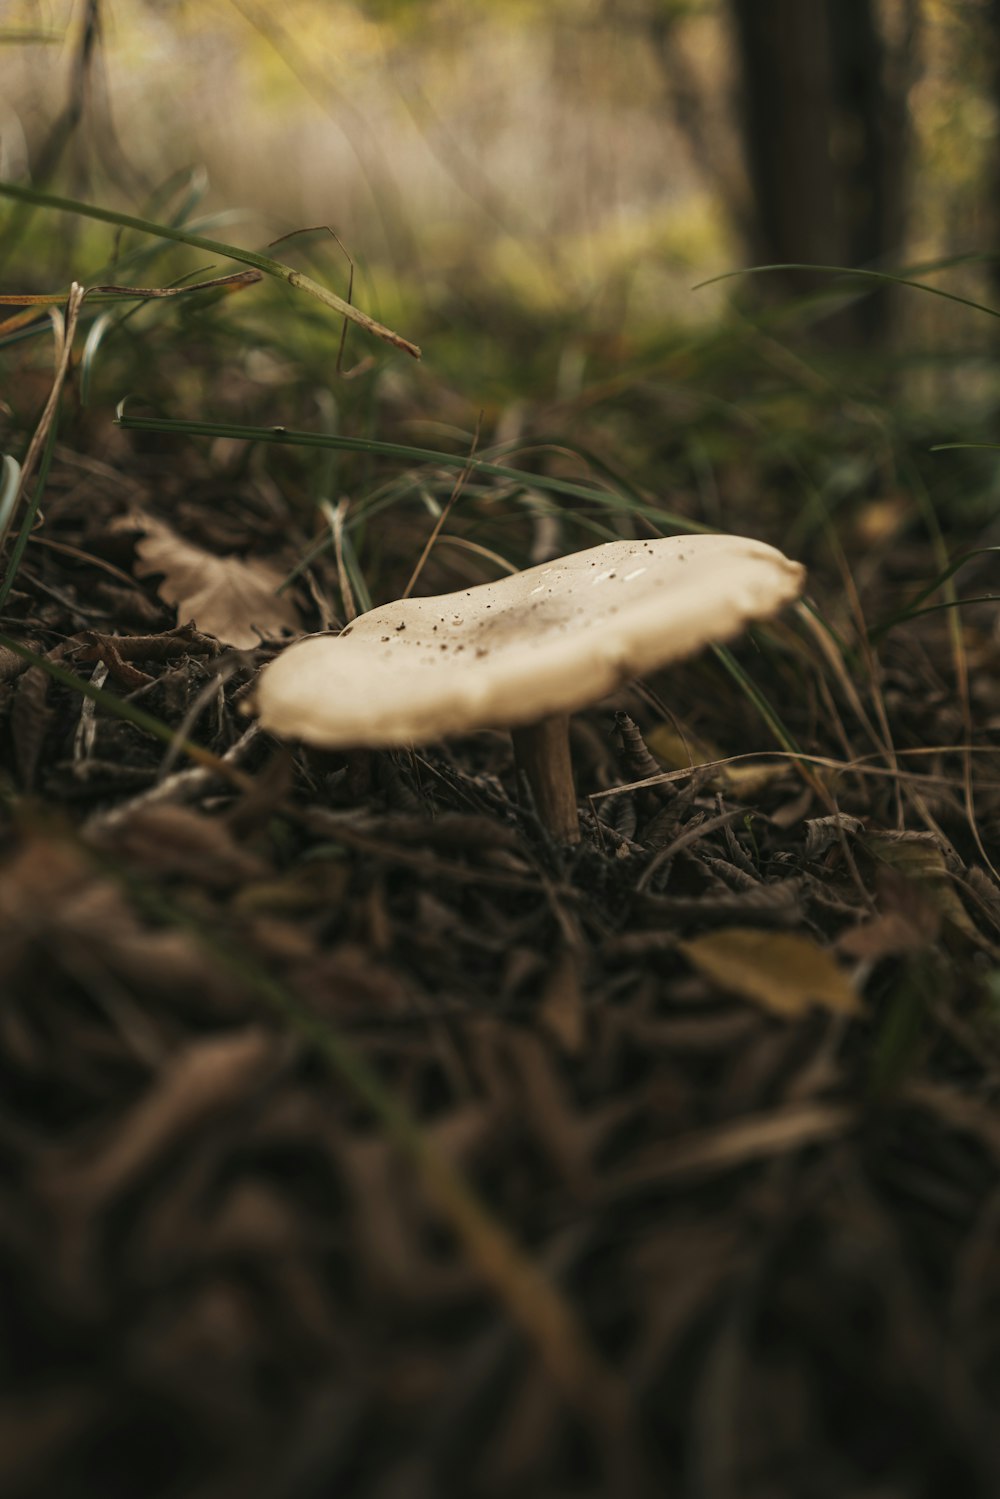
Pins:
x: 523, y: 652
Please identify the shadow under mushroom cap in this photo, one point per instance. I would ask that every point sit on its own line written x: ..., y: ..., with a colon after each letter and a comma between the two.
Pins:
x: 550, y: 640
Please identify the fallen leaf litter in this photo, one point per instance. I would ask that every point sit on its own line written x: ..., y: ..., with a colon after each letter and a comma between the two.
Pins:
x: 237, y: 1272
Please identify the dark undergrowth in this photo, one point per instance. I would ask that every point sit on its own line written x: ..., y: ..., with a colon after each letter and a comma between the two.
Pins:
x: 358, y: 1139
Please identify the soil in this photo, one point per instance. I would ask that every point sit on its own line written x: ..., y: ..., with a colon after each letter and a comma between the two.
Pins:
x: 358, y: 1140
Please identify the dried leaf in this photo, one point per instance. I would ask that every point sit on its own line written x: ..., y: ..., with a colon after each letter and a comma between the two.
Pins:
x: 782, y: 971
x: 177, y: 842
x: 234, y: 600
x: 722, y: 1147
x: 562, y: 1010
x: 908, y: 921
x: 201, y: 1081
x: 920, y: 857
x: 891, y: 935
x: 52, y: 903
x: 11, y: 666
x: 985, y: 892
x: 824, y: 833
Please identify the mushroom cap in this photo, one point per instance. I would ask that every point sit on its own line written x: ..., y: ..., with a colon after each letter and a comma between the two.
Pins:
x: 549, y: 640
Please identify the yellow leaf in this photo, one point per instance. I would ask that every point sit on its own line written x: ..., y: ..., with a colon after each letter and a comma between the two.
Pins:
x: 779, y: 970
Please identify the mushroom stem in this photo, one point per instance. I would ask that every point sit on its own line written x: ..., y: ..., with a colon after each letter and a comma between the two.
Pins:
x: 541, y: 751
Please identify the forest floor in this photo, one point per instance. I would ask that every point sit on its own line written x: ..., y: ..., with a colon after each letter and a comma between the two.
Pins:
x: 358, y: 1140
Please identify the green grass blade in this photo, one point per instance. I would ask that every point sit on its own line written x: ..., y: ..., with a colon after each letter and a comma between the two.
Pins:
x: 979, y: 598
x: 882, y: 277
x: 187, y: 185
x: 30, y: 196
x: 95, y: 337
x: 945, y: 447
x: 295, y: 438
x: 31, y: 511
x: 913, y: 608
x: 784, y: 737
x: 10, y: 478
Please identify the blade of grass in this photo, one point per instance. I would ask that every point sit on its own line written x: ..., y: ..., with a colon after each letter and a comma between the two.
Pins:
x: 443, y: 514
x: 463, y: 543
x: 784, y: 736
x: 838, y: 663
x: 275, y: 268
x: 10, y: 485
x: 385, y: 498
x: 917, y: 488
x: 913, y: 608
x: 760, y: 702
x: 297, y: 438
x: 946, y: 447
x: 838, y: 768
x: 979, y: 598
x: 882, y: 277
x: 31, y: 511
x: 27, y: 324
x: 140, y: 297
x: 353, y: 588
x: 131, y: 293
x: 187, y: 185
x: 43, y: 436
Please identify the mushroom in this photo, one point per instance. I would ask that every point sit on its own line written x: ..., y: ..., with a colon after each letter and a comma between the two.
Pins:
x: 524, y: 652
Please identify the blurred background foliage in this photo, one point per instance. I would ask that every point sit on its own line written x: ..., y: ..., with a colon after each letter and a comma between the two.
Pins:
x: 555, y: 144
x: 532, y: 189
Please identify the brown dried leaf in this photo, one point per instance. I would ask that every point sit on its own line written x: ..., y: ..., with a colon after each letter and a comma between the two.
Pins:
x: 921, y: 858
x: 389, y: 1212
x: 53, y: 902
x: 782, y: 971
x: 201, y: 1081
x: 824, y: 833
x: 985, y: 892
x: 908, y: 921
x: 166, y: 840
x: 348, y: 981
x: 563, y: 1132
x: 234, y: 600
x: 11, y: 666
x: 562, y: 1011
x: 737, y: 1142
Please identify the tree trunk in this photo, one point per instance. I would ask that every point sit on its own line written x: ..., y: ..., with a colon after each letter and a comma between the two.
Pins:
x: 825, y: 130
